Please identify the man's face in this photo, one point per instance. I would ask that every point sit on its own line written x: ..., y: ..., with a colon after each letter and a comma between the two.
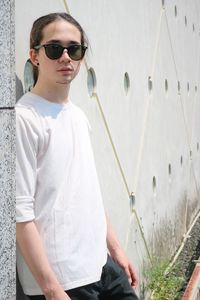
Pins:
x: 64, y: 69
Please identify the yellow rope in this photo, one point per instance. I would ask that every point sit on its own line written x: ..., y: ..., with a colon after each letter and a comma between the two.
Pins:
x: 66, y: 6
x: 112, y: 143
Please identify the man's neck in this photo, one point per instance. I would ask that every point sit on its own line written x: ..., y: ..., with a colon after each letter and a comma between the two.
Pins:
x: 57, y: 94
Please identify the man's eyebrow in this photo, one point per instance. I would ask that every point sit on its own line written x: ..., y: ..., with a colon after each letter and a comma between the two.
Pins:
x: 53, y: 41
x: 61, y: 42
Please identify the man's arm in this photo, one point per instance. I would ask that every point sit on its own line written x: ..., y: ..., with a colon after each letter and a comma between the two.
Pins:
x: 30, y: 245
x: 119, y: 256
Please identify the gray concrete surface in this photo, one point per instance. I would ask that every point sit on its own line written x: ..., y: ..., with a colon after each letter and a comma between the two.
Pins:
x: 7, y: 152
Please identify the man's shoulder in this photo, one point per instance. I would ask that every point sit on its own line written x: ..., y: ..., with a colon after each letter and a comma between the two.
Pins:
x: 25, y: 110
x: 78, y: 110
x: 25, y: 103
x: 81, y: 115
x: 24, y: 100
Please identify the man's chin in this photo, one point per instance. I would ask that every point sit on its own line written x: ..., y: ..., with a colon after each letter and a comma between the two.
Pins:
x: 65, y: 81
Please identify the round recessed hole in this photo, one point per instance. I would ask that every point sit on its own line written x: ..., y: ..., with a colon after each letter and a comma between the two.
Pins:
x: 188, y: 87
x: 190, y: 154
x: 163, y: 3
x: 126, y: 83
x: 175, y: 11
x: 185, y: 21
x: 195, y: 88
x: 154, y: 184
x: 91, y: 82
x: 193, y: 27
x: 28, y: 76
x: 179, y: 87
x: 181, y: 160
x: 166, y: 85
x: 169, y: 169
x: 150, y: 84
x: 197, y: 146
x: 132, y: 201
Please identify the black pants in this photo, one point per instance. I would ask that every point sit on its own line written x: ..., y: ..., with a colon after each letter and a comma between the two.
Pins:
x: 113, y: 285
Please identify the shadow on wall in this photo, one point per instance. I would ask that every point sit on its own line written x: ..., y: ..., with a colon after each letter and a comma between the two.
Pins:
x: 19, y: 88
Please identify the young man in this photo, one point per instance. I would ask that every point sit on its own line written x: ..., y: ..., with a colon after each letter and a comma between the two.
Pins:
x: 62, y: 231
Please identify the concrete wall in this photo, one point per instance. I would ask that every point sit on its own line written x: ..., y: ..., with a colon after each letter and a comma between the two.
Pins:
x: 7, y: 152
x: 146, y: 136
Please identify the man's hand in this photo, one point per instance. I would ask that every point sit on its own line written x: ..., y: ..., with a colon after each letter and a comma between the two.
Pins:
x: 121, y: 259
x: 119, y: 255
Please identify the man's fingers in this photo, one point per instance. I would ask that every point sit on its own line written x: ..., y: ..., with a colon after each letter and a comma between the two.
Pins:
x: 127, y: 271
x: 134, y: 279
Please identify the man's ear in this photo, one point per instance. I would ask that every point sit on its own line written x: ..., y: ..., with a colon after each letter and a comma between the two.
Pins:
x: 33, y: 54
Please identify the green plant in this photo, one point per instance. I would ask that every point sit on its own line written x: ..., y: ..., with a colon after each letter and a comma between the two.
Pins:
x: 164, y: 285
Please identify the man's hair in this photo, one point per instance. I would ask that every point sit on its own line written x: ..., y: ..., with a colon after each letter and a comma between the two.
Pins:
x: 36, y: 34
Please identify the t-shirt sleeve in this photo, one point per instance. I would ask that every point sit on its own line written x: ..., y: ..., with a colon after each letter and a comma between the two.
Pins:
x: 26, y: 167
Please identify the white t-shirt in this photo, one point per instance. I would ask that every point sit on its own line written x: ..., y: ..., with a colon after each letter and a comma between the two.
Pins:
x: 57, y: 187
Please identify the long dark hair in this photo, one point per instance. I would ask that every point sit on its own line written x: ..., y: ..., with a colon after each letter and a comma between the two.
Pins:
x: 36, y: 34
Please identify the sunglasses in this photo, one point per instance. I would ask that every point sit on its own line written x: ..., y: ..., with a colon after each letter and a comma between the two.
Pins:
x: 55, y: 51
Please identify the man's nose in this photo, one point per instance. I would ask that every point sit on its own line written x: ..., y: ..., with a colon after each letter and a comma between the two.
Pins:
x: 65, y: 55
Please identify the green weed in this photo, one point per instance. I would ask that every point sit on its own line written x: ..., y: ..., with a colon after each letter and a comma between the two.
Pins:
x: 164, y: 285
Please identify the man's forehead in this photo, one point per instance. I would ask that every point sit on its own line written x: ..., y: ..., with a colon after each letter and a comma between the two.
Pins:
x: 62, y: 31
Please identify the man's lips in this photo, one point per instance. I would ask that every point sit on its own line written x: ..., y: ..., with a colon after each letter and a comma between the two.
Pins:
x: 65, y: 70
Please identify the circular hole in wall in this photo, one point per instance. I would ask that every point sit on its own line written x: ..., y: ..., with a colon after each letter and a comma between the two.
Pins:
x: 175, y: 11
x: 185, y: 21
x: 197, y: 146
x: 195, y: 88
x: 193, y: 27
x: 169, y: 169
x: 150, y: 84
x: 126, y: 83
x: 179, y: 87
x: 154, y: 184
x: 28, y: 76
x: 188, y: 87
x: 181, y: 160
x: 91, y: 82
x: 169, y: 172
x: 163, y: 3
x: 190, y: 154
x: 132, y: 201
x: 166, y: 85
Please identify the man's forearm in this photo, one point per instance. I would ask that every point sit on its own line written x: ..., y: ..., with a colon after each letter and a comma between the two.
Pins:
x: 119, y: 255
x: 30, y: 245
x: 112, y: 240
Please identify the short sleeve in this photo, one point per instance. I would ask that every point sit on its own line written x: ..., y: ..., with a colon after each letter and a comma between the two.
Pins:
x: 26, y: 167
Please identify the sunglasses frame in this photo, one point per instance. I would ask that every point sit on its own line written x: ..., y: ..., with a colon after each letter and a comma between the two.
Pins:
x: 83, y: 48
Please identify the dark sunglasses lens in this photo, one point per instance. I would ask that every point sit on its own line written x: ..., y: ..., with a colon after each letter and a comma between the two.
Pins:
x: 76, y: 52
x: 53, y: 51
